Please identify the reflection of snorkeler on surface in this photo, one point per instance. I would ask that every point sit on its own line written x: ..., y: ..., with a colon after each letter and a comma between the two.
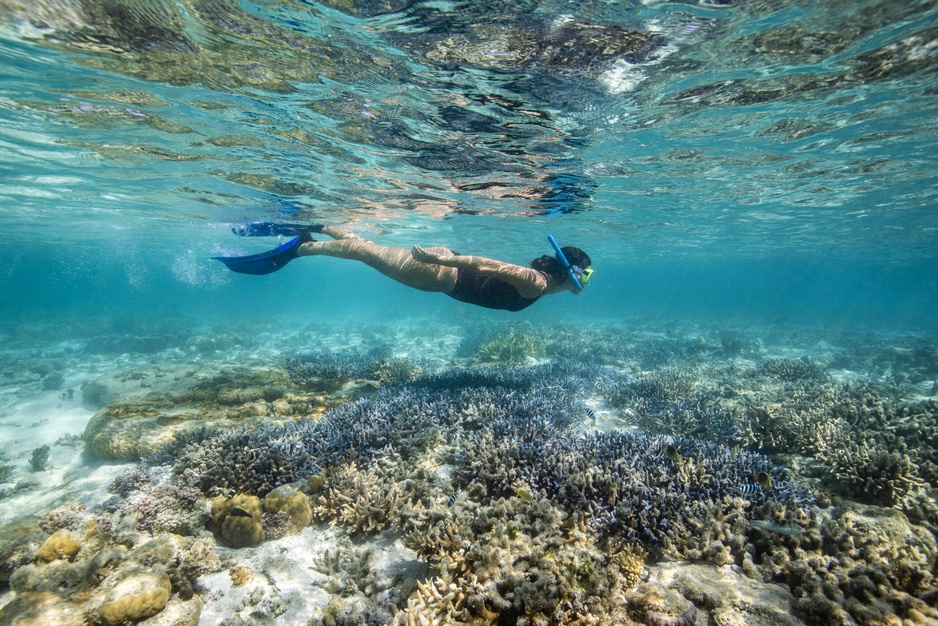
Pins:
x: 471, y: 279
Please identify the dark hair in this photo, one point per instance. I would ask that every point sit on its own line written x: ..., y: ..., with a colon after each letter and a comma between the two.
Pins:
x: 550, y: 264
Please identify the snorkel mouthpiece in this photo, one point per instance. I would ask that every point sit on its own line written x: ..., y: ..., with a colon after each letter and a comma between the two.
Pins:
x: 565, y: 263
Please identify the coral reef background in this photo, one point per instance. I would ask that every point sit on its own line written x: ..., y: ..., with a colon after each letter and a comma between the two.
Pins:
x: 518, y: 473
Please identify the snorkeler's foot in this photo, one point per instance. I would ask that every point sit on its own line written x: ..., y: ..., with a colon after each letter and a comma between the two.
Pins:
x: 269, y: 261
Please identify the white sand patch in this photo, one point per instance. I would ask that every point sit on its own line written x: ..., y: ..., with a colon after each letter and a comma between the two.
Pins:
x: 292, y: 582
x: 49, y: 420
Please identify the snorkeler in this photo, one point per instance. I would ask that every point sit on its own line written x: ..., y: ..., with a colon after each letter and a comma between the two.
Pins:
x: 471, y: 279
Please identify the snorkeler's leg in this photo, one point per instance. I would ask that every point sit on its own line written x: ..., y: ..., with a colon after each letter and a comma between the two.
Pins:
x: 337, y: 232
x: 395, y: 263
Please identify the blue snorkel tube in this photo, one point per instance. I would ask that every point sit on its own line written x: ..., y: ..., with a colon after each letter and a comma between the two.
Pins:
x: 565, y: 263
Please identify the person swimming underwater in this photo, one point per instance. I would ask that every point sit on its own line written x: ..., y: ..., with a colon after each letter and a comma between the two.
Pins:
x: 471, y: 279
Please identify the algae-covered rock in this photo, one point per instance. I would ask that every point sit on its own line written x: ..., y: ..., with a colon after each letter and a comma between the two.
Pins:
x: 725, y: 593
x: 291, y: 501
x: 125, y: 432
x: 136, y: 597
x: 129, y: 432
x: 18, y: 541
x: 237, y: 520
x: 178, y: 401
x: 59, y: 545
x: 42, y: 607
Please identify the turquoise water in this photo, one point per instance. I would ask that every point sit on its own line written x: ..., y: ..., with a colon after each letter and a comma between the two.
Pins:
x: 737, y: 416
x: 764, y: 160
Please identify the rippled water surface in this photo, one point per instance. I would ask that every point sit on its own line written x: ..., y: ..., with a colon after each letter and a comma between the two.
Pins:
x: 746, y: 150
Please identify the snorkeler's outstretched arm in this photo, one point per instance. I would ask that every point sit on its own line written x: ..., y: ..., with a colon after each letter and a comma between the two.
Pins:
x: 529, y: 282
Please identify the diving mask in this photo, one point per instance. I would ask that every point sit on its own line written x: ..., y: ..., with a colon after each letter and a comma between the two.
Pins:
x: 583, y: 275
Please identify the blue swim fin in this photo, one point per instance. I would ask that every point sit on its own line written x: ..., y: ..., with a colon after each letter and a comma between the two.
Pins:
x: 265, y: 262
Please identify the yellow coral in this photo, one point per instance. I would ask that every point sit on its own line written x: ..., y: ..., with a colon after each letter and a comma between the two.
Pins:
x: 237, y: 520
x: 59, y: 545
x: 631, y: 562
x: 295, y: 505
x: 135, y: 598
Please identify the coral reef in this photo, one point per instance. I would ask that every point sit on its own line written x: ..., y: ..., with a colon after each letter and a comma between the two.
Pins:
x: 586, y: 510
x: 867, y: 561
x: 512, y: 347
x: 94, y: 569
x: 59, y: 545
x: 330, y: 371
x: 39, y: 458
x: 136, y: 596
x: 151, y: 500
x: 729, y: 496
x: 793, y: 370
x: 43, y: 607
x: 237, y: 520
x: 362, y: 501
x: 291, y: 502
x: 866, y: 445
x: 6, y: 471
x: 240, y: 575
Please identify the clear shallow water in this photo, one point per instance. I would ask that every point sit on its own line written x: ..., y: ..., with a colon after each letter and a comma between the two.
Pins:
x: 717, y: 160
x: 755, y: 182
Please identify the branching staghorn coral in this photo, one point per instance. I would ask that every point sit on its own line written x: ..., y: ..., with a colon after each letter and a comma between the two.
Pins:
x: 362, y: 501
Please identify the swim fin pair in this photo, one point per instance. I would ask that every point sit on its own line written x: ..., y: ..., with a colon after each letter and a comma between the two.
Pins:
x: 271, y: 260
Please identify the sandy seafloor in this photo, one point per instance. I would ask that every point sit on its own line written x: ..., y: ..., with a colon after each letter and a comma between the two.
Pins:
x: 339, y: 570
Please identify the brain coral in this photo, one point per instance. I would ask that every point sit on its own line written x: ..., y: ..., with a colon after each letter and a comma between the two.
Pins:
x: 292, y: 503
x: 59, y: 545
x: 135, y: 598
x: 237, y: 520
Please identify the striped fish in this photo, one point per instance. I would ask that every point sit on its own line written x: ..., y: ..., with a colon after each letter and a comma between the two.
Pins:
x: 750, y: 490
x: 452, y: 498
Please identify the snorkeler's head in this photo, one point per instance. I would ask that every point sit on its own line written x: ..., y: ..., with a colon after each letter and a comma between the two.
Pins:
x: 558, y: 273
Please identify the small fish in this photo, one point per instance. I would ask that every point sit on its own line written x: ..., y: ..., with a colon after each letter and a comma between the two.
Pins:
x: 749, y: 490
x: 237, y: 511
x: 672, y: 453
x: 524, y: 494
x: 452, y: 498
x: 231, y: 493
x: 781, y: 528
x: 591, y: 415
x: 764, y: 480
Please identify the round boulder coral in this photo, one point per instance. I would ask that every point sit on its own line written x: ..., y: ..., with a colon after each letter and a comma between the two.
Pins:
x: 237, y: 520
x: 138, y: 596
x: 59, y: 545
x: 292, y: 502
